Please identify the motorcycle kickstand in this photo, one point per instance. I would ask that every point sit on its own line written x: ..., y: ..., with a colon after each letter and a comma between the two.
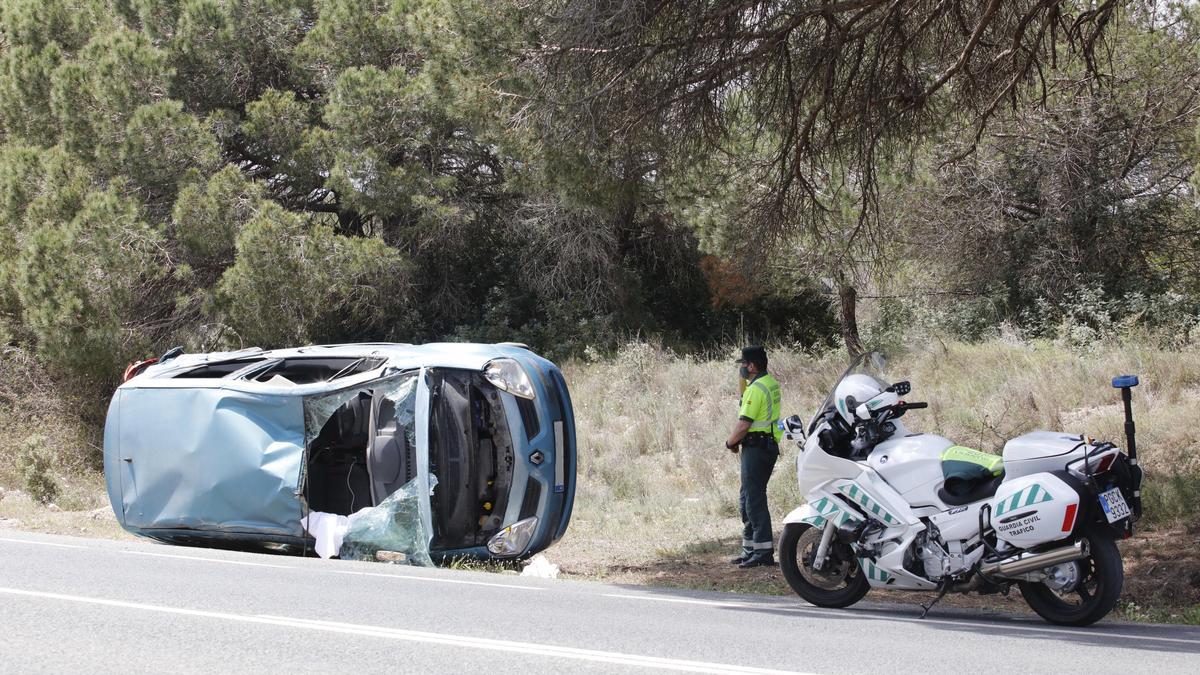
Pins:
x: 942, y: 590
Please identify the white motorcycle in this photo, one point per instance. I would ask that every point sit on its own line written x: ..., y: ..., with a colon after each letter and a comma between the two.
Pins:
x: 891, y: 509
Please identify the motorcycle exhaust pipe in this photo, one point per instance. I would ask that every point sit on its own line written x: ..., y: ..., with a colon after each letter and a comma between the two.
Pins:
x: 1028, y: 562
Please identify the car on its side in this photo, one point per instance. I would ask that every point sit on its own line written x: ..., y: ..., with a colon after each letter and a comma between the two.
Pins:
x: 235, y: 448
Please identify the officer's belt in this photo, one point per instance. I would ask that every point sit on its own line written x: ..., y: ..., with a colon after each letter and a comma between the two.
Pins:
x: 759, y: 437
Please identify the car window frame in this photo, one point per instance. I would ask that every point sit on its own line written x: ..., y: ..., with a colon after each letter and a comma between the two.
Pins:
x: 247, y: 374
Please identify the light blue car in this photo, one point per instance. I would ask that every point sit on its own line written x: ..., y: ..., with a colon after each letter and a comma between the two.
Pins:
x: 235, y: 448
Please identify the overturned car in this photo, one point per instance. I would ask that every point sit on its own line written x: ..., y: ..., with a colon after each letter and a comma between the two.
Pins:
x: 244, y: 448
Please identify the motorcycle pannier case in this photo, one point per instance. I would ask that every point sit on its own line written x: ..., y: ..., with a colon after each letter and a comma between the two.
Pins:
x: 1033, y: 510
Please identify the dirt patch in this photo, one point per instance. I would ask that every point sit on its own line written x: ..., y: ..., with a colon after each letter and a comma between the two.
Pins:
x: 19, y: 512
x: 1162, y: 574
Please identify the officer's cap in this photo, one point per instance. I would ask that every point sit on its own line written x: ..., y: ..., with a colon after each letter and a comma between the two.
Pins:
x: 754, y: 354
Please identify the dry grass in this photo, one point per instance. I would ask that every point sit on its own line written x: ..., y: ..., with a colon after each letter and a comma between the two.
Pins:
x: 658, y: 493
x: 654, y: 476
x: 19, y: 512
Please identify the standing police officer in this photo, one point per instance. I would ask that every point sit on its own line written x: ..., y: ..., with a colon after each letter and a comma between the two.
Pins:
x: 757, y: 432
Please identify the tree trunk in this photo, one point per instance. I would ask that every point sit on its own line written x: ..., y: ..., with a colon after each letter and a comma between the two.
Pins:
x: 848, y: 297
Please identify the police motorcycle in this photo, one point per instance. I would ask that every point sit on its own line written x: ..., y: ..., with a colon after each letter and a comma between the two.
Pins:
x: 891, y: 509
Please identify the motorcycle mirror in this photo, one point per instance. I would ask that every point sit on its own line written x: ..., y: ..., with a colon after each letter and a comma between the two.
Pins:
x: 793, y: 428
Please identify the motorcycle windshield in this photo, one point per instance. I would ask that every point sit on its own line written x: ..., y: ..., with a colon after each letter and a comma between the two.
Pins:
x: 870, y: 363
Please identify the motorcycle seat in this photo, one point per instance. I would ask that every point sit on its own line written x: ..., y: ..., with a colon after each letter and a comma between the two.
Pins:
x: 971, y: 493
x: 969, y: 475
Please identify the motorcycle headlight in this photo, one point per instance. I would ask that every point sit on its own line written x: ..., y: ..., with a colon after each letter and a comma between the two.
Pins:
x: 513, y: 539
x: 509, y: 376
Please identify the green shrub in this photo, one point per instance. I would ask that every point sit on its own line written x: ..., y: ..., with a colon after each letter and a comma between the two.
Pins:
x: 78, y: 282
x: 35, y: 461
x: 297, y: 281
x: 1171, y: 499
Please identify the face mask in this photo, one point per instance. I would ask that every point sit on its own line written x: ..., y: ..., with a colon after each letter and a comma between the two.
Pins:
x: 744, y: 371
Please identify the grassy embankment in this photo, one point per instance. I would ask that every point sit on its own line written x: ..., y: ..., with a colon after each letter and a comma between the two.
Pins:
x: 657, y: 492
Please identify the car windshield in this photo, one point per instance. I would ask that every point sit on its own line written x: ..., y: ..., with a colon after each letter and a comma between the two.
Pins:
x: 870, y: 363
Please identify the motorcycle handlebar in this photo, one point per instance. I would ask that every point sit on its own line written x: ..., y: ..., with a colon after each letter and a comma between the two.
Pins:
x: 915, y: 406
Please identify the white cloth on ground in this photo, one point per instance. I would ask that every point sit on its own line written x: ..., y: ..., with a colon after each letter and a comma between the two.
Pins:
x: 328, y: 529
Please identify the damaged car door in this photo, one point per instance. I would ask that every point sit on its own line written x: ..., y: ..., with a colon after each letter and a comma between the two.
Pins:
x: 365, y: 443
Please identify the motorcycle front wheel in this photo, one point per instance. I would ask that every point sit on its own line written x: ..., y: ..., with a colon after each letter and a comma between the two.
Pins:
x: 840, y: 583
x: 1079, y: 593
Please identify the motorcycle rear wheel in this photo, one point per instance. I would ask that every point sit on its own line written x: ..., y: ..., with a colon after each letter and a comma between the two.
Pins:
x: 1091, y: 598
x: 841, y: 584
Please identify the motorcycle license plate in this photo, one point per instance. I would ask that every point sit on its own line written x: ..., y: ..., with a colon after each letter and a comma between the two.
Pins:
x: 1113, y: 503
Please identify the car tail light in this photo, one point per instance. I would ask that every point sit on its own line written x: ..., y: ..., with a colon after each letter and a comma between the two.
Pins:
x: 136, y: 367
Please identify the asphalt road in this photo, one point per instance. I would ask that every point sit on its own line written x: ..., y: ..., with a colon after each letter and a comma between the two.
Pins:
x: 87, y: 605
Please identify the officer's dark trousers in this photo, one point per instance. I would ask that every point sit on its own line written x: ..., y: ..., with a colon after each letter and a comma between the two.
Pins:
x: 758, y: 461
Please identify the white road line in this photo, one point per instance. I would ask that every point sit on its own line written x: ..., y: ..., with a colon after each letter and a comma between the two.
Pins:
x: 530, y: 648
x: 438, y: 580
x: 40, y: 543
x: 686, y: 601
x: 853, y: 614
x: 211, y: 560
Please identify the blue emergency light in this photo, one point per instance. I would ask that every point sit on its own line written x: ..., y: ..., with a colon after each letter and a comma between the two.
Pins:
x: 1125, y: 381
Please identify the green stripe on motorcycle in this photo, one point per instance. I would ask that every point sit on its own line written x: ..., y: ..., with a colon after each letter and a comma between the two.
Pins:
x: 816, y: 521
x: 1036, y: 497
x: 873, y: 572
x: 1034, y: 494
x: 864, y: 500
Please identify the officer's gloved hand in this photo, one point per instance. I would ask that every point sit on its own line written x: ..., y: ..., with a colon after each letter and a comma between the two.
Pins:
x: 732, y: 448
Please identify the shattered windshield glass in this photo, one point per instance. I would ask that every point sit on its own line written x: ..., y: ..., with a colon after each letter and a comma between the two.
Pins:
x: 400, y: 391
x: 402, y: 394
x: 393, y: 527
x: 318, y: 410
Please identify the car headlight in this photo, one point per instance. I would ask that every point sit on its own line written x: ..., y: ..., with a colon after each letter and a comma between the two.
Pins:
x: 513, y: 539
x: 508, y: 375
